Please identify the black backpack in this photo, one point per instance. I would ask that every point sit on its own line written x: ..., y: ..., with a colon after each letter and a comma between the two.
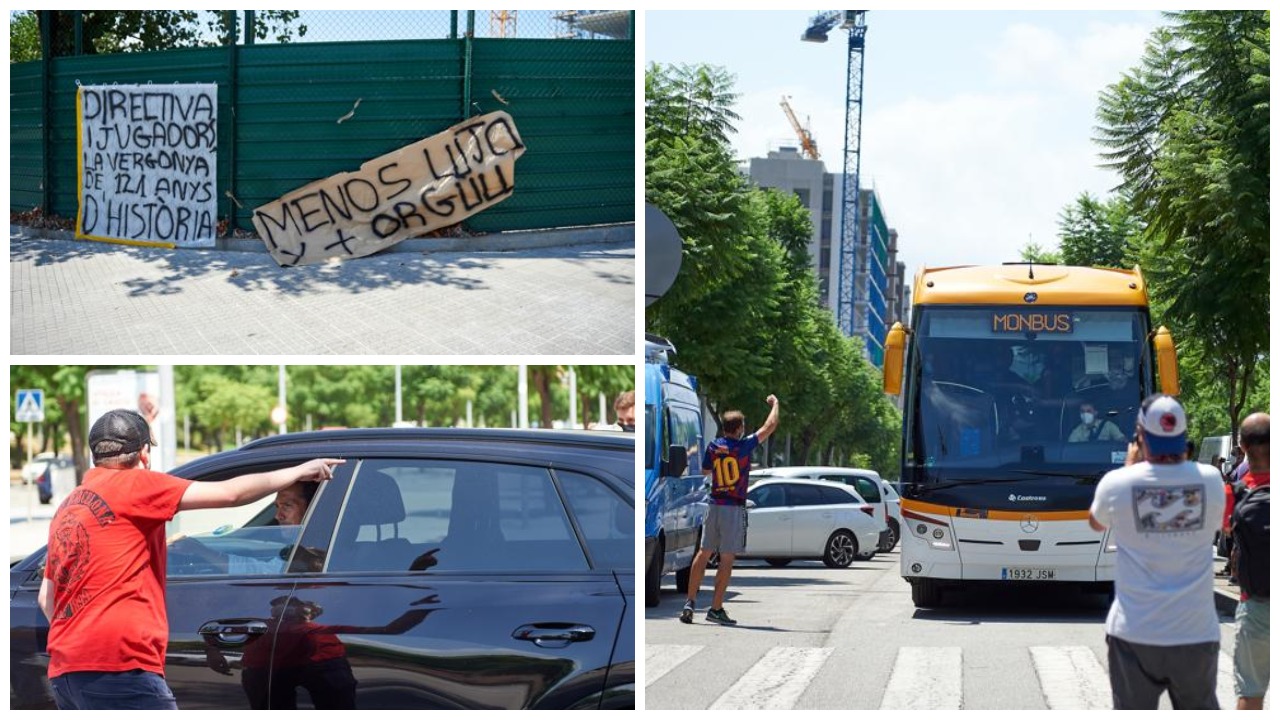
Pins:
x: 1251, y: 530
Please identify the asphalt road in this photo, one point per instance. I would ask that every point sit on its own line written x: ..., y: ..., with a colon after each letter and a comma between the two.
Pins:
x: 810, y: 637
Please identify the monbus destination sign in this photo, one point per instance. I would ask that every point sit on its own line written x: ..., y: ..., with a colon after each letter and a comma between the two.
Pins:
x: 1036, y: 322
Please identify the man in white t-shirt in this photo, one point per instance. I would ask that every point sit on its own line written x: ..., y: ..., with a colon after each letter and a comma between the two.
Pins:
x: 1162, y: 511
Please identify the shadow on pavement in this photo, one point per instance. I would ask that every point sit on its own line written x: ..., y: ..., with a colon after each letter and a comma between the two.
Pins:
x: 257, y: 271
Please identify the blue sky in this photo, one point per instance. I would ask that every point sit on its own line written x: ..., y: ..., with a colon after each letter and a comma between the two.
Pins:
x: 976, y: 126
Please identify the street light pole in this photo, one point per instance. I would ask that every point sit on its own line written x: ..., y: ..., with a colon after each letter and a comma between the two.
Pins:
x: 522, y: 398
x: 573, y: 398
x: 283, y: 416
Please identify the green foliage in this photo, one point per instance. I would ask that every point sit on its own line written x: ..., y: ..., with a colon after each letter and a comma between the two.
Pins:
x: 743, y: 311
x: 24, y: 37
x: 1093, y: 233
x: 1033, y: 253
x: 115, y: 31
x: 223, y: 402
x: 1189, y: 132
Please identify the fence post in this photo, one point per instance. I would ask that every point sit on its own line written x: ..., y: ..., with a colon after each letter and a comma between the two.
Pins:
x: 233, y: 68
x: 47, y: 18
x: 466, y: 64
x: 78, y: 17
x: 453, y: 24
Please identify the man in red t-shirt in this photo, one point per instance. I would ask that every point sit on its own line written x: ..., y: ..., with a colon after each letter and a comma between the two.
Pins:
x: 103, y: 588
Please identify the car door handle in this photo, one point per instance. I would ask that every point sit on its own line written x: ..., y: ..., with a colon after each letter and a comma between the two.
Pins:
x: 554, y: 635
x: 233, y: 632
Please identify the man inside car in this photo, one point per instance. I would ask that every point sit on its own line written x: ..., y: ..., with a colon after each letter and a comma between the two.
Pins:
x: 103, y: 588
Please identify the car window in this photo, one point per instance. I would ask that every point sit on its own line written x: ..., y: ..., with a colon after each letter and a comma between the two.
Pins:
x: 685, y: 429
x: 868, y: 490
x: 444, y: 516
x: 768, y: 496
x: 835, y: 496
x: 650, y: 435
x: 606, y: 520
x: 260, y: 546
x: 802, y: 495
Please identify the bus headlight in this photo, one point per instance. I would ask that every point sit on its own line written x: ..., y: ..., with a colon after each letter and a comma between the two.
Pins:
x: 940, y: 539
x: 936, y: 533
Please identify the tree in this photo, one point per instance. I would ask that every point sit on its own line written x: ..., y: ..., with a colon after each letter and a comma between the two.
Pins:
x: 1188, y: 130
x: 115, y: 31
x: 24, y: 37
x: 1097, y: 234
x: 743, y: 311
x: 1033, y: 253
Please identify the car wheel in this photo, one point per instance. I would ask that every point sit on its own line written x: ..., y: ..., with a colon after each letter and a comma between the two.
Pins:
x: 842, y: 548
x: 889, y: 538
x: 778, y: 562
x: 925, y: 593
x: 653, y: 579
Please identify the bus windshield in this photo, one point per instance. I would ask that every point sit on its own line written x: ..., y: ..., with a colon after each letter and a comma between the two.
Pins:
x: 1026, y: 390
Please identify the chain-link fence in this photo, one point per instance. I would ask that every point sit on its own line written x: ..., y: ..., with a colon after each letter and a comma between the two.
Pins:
x: 295, y: 106
x: 101, y: 32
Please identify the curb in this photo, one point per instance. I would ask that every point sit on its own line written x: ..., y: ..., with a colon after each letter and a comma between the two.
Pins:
x: 1226, y: 602
x: 623, y: 233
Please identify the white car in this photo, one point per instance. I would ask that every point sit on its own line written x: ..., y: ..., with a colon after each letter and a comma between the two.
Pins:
x: 797, y: 519
x: 35, y: 468
x: 866, y: 483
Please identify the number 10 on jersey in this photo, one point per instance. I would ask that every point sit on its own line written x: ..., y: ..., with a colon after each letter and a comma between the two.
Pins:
x: 726, y: 471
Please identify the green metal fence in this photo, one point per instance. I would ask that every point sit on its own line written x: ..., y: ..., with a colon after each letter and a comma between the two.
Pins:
x: 572, y: 98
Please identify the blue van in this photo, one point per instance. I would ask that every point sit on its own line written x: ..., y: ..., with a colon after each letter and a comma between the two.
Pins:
x: 675, y: 491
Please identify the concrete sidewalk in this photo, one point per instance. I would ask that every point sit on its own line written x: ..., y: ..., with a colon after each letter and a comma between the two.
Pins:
x: 77, y: 297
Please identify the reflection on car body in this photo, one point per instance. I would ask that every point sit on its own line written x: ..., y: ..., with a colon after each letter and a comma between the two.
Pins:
x: 437, y: 569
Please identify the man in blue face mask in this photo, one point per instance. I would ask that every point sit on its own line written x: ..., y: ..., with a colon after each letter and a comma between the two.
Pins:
x: 1092, y: 427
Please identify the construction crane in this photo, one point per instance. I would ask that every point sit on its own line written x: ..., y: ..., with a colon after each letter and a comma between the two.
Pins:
x: 807, y: 144
x: 499, y: 20
x: 855, y: 21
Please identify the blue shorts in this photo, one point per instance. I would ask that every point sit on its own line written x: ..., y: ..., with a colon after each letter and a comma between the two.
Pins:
x: 1253, y: 641
x: 126, y: 690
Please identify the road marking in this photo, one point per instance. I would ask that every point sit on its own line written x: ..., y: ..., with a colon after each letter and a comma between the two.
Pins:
x: 776, y: 681
x: 1226, y: 680
x: 924, y: 678
x: 662, y: 659
x: 1072, y: 678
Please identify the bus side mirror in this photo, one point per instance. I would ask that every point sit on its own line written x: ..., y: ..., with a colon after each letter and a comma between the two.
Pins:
x: 678, y: 462
x: 1166, y: 362
x: 895, y: 345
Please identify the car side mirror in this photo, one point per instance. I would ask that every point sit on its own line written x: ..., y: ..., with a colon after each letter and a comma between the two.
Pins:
x: 678, y: 462
x: 751, y: 504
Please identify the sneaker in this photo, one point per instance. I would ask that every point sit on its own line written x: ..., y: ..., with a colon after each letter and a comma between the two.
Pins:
x: 718, y: 615
x: 686, y: 615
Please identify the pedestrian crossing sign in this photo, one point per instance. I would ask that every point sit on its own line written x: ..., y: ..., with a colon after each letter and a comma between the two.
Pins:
x: 30, y: 404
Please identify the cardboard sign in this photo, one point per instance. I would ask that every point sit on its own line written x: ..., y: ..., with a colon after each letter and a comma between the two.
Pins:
x: 148, y: 164
x: 431, y: 184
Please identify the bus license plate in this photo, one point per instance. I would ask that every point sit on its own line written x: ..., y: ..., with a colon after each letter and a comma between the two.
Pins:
x: 1026, y: 573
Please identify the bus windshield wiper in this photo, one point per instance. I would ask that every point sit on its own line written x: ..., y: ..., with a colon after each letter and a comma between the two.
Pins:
x: 1026, y: 475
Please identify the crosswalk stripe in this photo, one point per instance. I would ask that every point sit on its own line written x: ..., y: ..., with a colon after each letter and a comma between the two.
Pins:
x: 1072, y: 678
x: 662, y: 659
x: 776, y: 681
x: 924, y: 678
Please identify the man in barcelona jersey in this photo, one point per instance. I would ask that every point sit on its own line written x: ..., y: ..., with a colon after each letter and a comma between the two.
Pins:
x: 727, y: 461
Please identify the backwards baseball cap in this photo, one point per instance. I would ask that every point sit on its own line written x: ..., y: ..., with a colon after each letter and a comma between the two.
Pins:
x: 1164, y: 425
x: 125, y: 430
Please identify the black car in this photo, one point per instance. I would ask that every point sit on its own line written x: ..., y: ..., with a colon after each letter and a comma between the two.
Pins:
x: 437, y: 569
